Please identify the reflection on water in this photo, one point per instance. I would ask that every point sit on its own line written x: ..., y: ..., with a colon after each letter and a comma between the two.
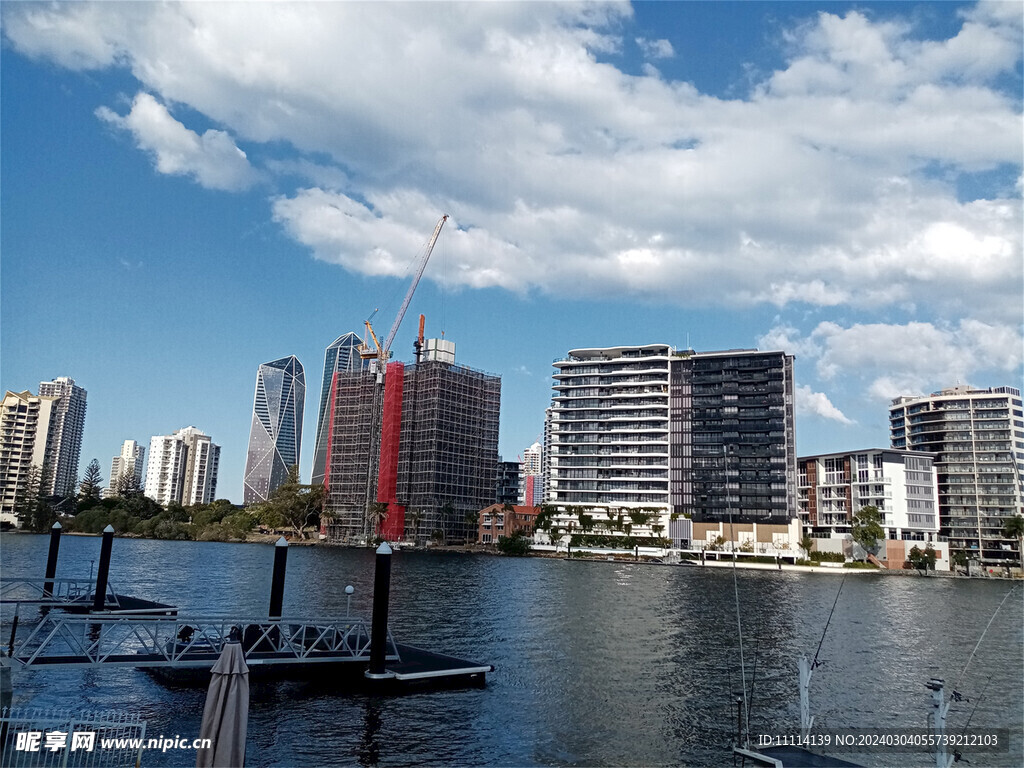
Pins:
x: 597, y: 663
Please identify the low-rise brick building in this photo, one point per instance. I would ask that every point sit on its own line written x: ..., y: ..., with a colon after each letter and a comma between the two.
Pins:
x: 505, y: 519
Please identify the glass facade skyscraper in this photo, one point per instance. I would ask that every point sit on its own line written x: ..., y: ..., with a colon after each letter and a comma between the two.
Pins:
x: 342, y: 356
x: 732, y: 436
x: 275, y: 438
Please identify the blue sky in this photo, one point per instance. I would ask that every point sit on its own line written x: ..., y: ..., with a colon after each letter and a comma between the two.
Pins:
x: 191, y: 190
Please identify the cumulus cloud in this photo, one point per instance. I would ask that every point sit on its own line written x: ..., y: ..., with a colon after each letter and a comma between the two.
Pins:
x: 832, y: 183
x: 655, y: 49
x: 212, y: 159
x: 817, y: 404
x: 912, y: 358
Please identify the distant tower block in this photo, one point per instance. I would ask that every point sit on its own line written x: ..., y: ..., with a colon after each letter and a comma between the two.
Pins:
x: 275, y: 437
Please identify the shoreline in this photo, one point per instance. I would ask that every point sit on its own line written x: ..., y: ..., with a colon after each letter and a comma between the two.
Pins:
x: 477, y: 549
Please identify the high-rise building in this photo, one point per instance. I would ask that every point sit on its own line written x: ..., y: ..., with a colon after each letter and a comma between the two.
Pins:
x: 66, y: 434
x: 438, y: 449
x: 646, y: 433
x: 733, y: 436
x: 25, y: 427
x: 977, y: 439
x: 182, y: 468
x: 901, y: 485
x: 531, y: 491
x: 342, y: 356
x: 127, y: 468
x: 507, y: 491
x: 275, y: 437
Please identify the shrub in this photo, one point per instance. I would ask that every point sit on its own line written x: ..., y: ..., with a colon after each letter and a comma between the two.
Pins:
x: 516, y: 545
x: 828, y: 557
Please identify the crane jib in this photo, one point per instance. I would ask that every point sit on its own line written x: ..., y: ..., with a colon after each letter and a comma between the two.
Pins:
x: 412, y: 289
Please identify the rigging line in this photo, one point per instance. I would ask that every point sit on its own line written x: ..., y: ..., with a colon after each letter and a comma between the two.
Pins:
x: 736, y: 595
x: 828, y: 621
x: 977, y: 702
x: 969, y: 658
x: 753, y: 677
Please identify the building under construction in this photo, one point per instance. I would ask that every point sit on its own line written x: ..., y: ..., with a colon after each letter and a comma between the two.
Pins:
x: 437, y: 432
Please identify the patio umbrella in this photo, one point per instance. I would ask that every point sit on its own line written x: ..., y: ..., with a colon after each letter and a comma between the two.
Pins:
x: 226, y: 714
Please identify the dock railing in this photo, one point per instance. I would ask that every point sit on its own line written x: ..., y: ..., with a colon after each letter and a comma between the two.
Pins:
x: 53, y: 592
x: 191, y: 641
x: 38, y: 737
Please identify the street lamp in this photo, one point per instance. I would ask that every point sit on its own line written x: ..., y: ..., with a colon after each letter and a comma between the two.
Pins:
x: 348, y: 593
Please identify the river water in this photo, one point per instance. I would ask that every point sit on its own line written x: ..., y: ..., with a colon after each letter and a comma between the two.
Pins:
x: 597, y: 663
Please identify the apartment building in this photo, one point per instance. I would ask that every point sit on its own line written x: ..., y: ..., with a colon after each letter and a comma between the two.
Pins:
x: 67, y: 430
x: 182, y: 468
x: 26, y: 422
x: 976, y: 437
x: 901, y: 485
x: 644, y: 436
x: 126, y: 467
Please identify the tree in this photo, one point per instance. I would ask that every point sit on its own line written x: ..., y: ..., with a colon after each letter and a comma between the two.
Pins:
x: 447, y: 519
x: 806, y: 544
x: 292, y: 504
x: 30, y: 503
x: 516, y: 545
x: 959, y: 559
x: 867, y: 528
x: 376, y: 514
x: 923, y: 560
x: 126, y: 485
x: 414, y: 517
x: 472, y: 520
x: 91, y: 485
x: 1014, y: 529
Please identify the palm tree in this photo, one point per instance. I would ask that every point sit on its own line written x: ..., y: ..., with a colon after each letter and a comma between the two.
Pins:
x: 1014, y: 529
x: 472, y: 520
x: 414, y: 520
x: 376, y: 514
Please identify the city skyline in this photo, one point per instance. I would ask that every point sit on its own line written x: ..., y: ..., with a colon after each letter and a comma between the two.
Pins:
x: 838, y: 181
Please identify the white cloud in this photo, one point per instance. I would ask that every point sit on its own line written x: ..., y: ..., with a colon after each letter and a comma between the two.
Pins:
x: 888, y: 360
x: 212, y: 159
x: 655, y: 49
x: 817, y: 190
x: 818, y: 404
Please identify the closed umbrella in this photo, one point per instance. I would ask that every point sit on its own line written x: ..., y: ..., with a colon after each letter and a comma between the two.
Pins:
x: 226, y: 714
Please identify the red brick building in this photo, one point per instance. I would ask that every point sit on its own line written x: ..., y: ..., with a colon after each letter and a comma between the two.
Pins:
x: 504, y: 520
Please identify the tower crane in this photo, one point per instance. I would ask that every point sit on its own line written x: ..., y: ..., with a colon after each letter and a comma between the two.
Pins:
x: 383, y: 351
x: 380, y: 353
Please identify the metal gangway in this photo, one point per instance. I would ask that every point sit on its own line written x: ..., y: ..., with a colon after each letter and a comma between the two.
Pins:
x: 54, y: 592
x: 191, y: 641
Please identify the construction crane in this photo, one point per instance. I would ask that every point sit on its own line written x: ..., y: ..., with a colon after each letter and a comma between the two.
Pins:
x: 380, y: 353
x: 383, y: 351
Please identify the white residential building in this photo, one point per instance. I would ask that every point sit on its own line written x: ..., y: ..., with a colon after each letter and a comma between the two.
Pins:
x: 128, y: 464
x: 65, y: 445
x: 901, y: 485
x: 25, y: 426
x: 182, y: 468
x: 609, y: 441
